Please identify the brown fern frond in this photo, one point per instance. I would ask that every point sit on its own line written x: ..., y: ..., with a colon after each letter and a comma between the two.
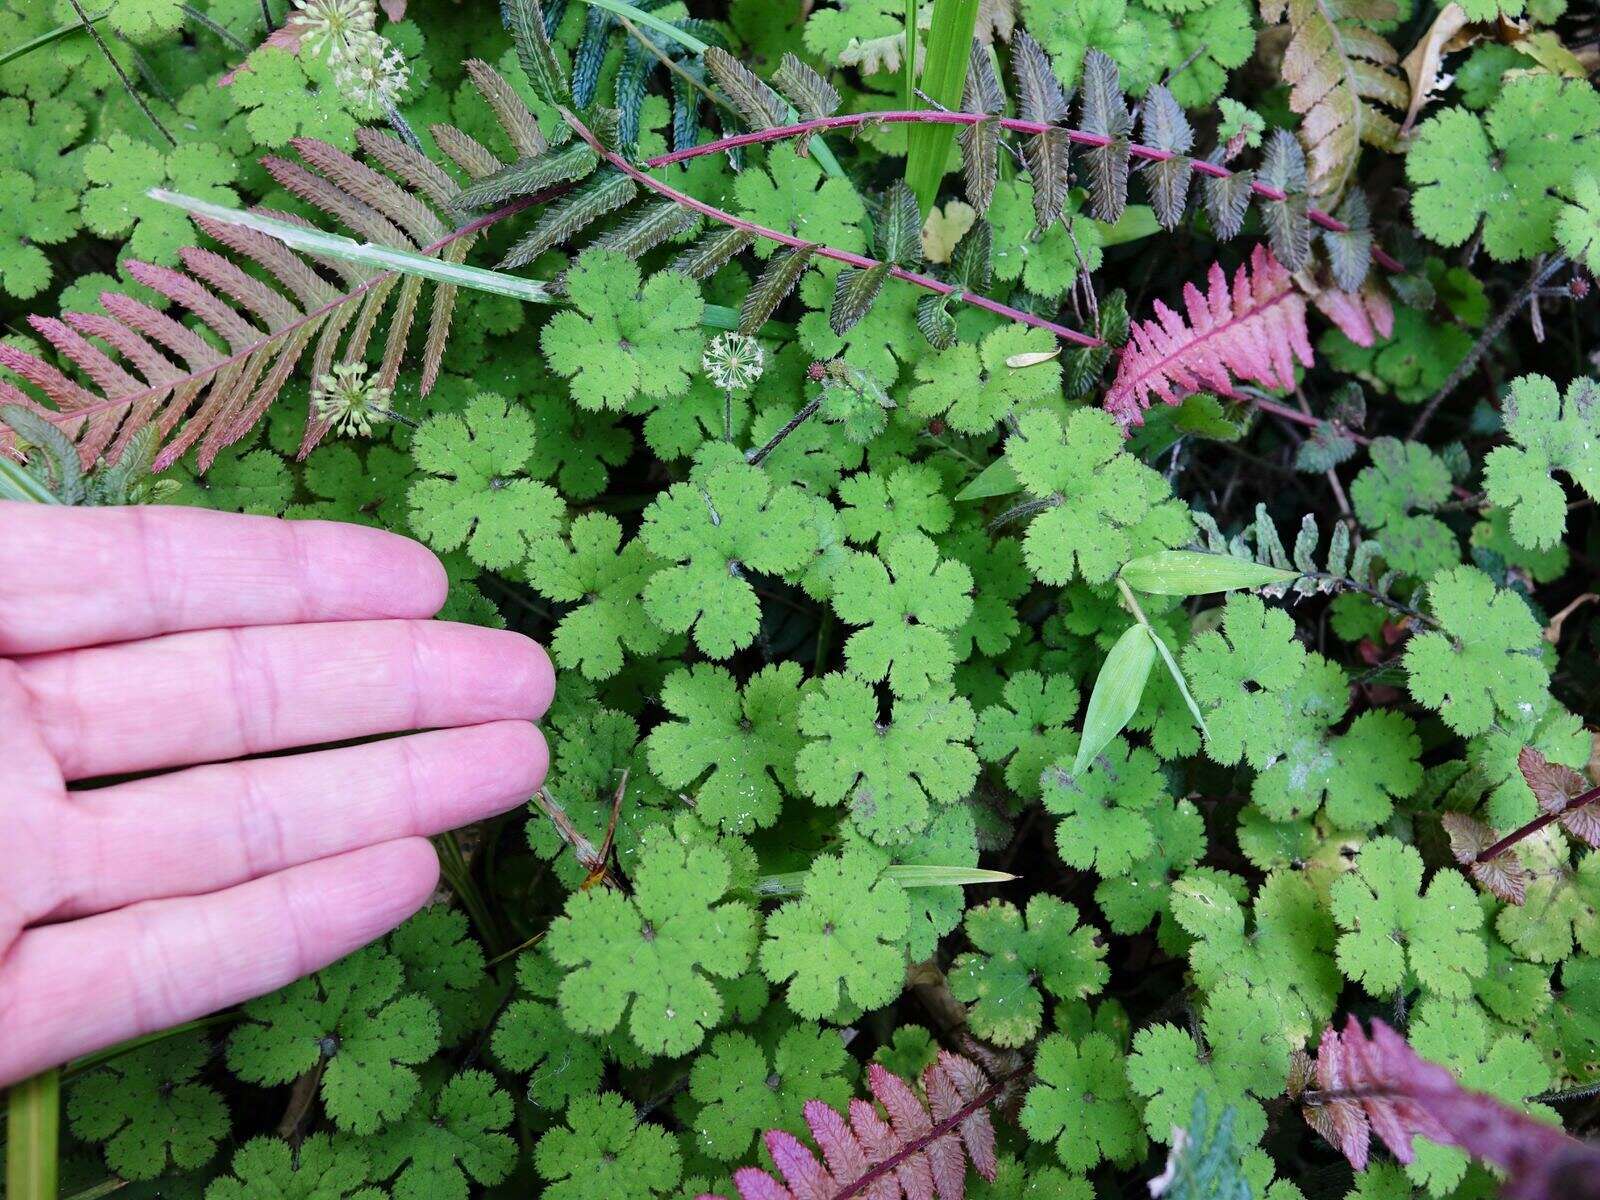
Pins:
x: 1341, y: 78
x: 138, y: 367
x: 1255, y: 331
x: 918, y: 1146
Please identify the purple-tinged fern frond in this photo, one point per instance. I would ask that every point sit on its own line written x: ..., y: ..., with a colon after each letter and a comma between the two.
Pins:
x: 1254, y: 331
x: 918, y: 1147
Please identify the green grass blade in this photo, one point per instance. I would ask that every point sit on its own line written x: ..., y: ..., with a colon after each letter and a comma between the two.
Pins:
x: 911, y: 875
x: 33, y: 1132
x: 406, y: 262
x: 384, y: 258
x: 44, y: 39
x: 944, y: 74
x: 17, y: 484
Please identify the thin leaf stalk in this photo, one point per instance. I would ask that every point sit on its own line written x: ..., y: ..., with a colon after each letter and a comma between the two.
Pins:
x: 860, y: 261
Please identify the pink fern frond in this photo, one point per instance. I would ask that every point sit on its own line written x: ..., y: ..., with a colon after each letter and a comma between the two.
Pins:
x: 1377, y: 1083
x: 1254, y: 331
x: 920, y: 1152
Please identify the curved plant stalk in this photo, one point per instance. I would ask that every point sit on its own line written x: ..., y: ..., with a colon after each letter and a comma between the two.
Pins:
x: 860, y: 261
x: 1079, y: 137
x: 44, y: 39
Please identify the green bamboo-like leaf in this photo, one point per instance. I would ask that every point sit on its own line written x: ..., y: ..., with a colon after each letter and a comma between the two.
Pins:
x: 911, y: 875
x: 525, y: 20
x: 853, y: 293
x: 944, y: 71
x: 776, y: 282
x: 1195, y: 573
x: 1177, y: 677
x: 529, y: 175
x: 386, y: 258
x: 1117, y: 690
x: 997, y: 479
x: 33, y: 1134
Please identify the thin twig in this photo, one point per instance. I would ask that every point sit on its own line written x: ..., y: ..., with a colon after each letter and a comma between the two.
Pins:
x: 127, y: 84
x: 232, y: 40
x: 1479, y: 348
x: 757, y: 457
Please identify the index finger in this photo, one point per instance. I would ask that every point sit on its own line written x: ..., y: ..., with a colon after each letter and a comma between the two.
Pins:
x: 74, y: 577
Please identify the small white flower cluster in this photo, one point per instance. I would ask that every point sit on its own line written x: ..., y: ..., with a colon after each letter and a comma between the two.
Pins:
x: 733, y: 361
x: 367, y: 68
x: 349, y: 401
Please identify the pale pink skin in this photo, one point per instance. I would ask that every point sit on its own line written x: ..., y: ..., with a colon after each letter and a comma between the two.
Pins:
x: 156, y: 639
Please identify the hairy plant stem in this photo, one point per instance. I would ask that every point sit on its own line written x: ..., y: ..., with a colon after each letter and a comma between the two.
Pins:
x: 1481, y: 347
x: 943, y: 117
x: 127, y: 84
x: 939, y: 286
x: 1535, y: 825
x: 757, y: 457
x: 221, y: 32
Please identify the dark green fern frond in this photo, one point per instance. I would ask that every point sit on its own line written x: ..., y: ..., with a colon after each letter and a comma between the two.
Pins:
x: 569, y: 216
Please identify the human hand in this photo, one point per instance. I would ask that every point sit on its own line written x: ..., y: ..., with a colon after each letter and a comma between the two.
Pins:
x: 139, y: 640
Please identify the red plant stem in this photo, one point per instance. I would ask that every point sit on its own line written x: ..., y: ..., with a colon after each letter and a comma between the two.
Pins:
x: 982, y: 1100
x: 1533, y: 826
x: 788, y: 239
x: 1294, y: 415
x: 932, y: 117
